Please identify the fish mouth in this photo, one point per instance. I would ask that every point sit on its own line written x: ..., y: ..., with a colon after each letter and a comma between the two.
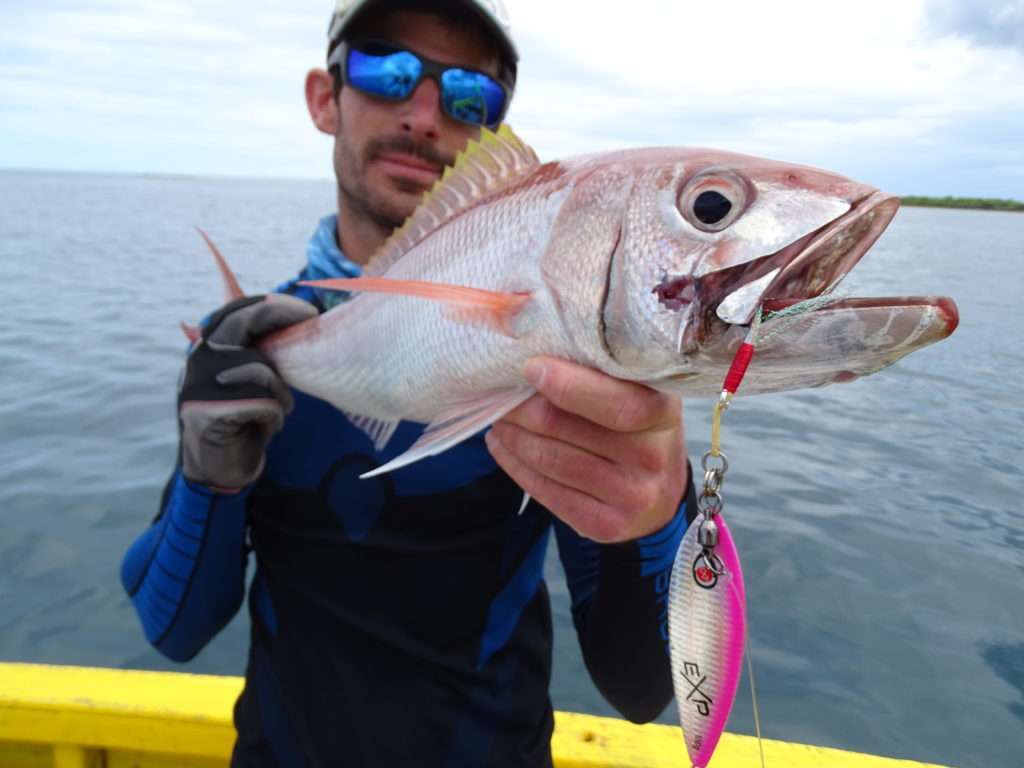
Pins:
x: 824, y: 341
x: 812, y: 265
x: 945, y: 305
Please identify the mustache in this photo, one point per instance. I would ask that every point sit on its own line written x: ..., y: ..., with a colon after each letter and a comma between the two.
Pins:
x: 408, y: 146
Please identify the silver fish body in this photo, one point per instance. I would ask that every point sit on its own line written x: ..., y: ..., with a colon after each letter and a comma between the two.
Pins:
x: 618, y: 270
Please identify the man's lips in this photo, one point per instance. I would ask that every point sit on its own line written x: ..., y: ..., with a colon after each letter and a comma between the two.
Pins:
x: 409, y: 167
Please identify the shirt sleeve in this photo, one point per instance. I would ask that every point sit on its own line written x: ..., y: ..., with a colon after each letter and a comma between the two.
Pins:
x: 620, y: 611
x: 186, y: 573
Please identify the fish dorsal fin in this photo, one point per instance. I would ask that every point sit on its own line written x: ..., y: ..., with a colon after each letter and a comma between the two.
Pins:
x: 495, y: 161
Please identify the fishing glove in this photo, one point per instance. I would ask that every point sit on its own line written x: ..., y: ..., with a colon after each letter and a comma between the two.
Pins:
x: 231, y: 400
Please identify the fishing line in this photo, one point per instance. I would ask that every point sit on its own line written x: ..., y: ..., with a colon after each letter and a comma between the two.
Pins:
x: 733, y: 378
x: 732, y: 382
x: 753, y: 696
x: 710, y: 501
x: 783, y: 319
x: 708, y: 566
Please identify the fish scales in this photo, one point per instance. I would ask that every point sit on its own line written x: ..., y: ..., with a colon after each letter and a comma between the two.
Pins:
x: 405, y: 355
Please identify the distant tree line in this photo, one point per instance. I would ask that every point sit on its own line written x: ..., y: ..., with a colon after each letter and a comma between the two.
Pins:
x: 983, y: 203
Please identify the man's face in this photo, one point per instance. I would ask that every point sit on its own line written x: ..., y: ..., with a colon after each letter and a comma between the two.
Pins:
x: 386, y: 153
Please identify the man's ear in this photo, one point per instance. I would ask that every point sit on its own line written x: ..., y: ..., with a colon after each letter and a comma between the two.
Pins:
x: 323, y: 107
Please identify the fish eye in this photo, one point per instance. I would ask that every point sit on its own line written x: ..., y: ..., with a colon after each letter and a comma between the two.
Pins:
x: 713, y: 201
x: 711, y: 207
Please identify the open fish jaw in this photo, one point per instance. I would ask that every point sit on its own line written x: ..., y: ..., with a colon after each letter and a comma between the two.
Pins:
x: 833, y: 252
x: 855, y: 337
x: 812, y: 265
x: 837, y: 341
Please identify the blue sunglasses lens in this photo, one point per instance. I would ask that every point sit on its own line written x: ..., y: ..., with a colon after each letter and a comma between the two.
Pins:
x: 390, y: 75
x: 471, y: 97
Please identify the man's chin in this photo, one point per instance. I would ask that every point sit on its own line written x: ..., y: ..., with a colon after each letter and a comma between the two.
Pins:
x: 393, y: 209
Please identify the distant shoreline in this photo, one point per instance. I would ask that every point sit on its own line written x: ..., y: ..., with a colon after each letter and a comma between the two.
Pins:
x: 917, y: 201
x: 970, y: 203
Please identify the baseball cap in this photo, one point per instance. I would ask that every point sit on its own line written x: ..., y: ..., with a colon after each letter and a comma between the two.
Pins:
x: 492, y: 13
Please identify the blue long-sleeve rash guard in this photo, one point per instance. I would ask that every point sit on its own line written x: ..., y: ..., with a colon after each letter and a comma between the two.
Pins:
x: 400, y: 620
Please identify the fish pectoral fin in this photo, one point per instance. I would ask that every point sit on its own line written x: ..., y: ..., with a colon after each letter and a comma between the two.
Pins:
x: 494, y: 309
x: 380, y: 431
x: 459, y: 421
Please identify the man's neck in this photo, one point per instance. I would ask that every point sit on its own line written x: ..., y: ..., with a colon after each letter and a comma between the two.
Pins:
x: 359, y: 236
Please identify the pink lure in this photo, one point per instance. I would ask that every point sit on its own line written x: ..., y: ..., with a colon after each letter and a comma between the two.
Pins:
x: 707, y: 634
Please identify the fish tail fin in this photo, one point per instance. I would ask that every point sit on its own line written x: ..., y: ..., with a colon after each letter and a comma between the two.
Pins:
x: 232, y: 290
x: 191, y: 332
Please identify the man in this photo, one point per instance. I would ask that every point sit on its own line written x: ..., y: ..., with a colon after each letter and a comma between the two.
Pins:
x: 403, y: 619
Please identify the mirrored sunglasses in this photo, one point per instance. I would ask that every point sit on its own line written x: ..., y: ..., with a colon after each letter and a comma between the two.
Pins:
x: 390, y: 72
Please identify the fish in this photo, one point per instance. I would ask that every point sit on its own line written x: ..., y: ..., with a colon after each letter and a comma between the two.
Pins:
x: 707, y: 620
x: 647, y: 264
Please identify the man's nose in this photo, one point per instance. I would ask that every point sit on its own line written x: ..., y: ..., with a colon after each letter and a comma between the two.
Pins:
x: 422, y: 114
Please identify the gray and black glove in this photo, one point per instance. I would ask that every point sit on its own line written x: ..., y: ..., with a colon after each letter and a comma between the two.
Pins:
x: 231, y: 400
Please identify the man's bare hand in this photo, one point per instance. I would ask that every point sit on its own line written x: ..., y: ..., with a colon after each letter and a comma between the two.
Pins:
x: 606, y: 456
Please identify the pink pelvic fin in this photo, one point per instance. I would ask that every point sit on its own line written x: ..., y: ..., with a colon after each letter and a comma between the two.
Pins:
x: 457, y: 422
x: 495, y: 309
x: 232, y: 290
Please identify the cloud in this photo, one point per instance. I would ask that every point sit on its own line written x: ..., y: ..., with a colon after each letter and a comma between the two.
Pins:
x: 823, y: 84
x: 995, y: 23
x: 871, y: 88
x: 155, y: 85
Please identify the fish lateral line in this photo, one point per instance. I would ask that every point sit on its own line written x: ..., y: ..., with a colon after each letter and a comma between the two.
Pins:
x: 494, y: 309
x: 192, y: 332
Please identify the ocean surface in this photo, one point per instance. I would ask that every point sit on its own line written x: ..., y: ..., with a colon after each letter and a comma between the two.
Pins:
x: 880, y: 522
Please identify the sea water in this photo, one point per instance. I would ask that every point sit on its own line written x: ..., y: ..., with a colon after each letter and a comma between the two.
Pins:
x: 879, y: 522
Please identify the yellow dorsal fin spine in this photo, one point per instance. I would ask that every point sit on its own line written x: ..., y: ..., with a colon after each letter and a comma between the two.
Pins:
x: 495, y: 160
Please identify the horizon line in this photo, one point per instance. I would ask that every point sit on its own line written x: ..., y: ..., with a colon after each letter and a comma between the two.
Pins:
x: 258, y: 177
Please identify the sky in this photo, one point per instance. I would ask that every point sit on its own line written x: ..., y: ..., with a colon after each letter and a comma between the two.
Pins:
x: 912, y: 96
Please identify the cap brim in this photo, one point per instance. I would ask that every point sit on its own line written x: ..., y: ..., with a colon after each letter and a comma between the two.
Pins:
x: 340, y: 25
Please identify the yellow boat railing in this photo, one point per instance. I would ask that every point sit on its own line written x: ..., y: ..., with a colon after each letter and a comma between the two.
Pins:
x: 76, y: 717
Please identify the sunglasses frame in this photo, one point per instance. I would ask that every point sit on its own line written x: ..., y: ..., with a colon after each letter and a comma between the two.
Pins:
x: 430, y: 68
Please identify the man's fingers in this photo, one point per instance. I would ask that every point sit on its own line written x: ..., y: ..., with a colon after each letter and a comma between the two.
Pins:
x: 285, y: 310
x: 578, y: 469
x: 622, y: 406
x: 540, y: 416
x: 221, y: 422
x: 223, y: 442
x: 262, y: 376
x: 583, y: 513
x: 244, y: 326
